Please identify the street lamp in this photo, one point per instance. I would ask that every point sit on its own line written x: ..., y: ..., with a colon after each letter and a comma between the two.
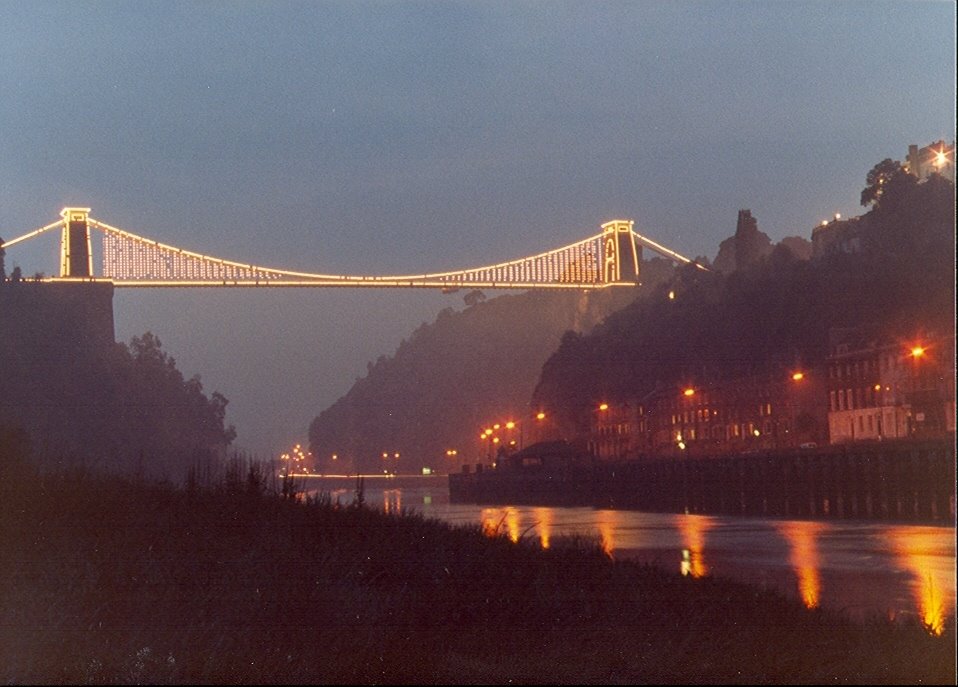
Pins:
x: 921, y: 392
x: 690, y: 431
x: 539, y: 427
x: 453, y: 455
x: 940, y: 159
x: 386, y: 456
x: 486, y: 436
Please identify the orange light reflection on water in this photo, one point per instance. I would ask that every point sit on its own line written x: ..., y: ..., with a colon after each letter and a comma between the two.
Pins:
x: 544, y: 524
x: 914, y: 548
x: 607, y: 521
x: 512, y: 523
x: 492, y: 521
x: 392, y: 500
x: 802, y: 538
x: 496, y: 521
x: 693, y: 529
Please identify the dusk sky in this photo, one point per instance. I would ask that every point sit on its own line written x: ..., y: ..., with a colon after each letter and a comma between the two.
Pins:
x: 408, y: 137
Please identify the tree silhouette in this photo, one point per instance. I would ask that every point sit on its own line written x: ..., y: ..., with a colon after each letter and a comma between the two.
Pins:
x: 877, y: 179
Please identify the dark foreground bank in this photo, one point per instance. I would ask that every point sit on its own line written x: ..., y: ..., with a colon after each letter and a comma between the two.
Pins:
x: 111, y: 581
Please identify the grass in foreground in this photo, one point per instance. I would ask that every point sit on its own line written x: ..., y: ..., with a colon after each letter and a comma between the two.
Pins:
x: 104, y: 581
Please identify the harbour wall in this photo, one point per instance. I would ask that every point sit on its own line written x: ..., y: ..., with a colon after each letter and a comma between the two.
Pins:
x: 909, y: 481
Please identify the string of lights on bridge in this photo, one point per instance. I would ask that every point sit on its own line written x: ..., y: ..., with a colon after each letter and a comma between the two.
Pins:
x: 609, y: 258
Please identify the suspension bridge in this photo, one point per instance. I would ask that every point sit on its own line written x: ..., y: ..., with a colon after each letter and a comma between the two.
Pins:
x: 611, y: 257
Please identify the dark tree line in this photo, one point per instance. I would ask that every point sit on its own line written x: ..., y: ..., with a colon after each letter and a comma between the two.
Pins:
x: 124, y: 408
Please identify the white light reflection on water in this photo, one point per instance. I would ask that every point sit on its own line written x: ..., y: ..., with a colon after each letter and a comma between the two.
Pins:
x: 693, y: 529
x: 863, y: 568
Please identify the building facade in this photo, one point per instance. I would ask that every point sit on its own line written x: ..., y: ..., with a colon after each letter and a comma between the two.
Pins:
x: 870, y: 389
x: 936, y: 158
x: 776, y: 410
x: 880, y: 389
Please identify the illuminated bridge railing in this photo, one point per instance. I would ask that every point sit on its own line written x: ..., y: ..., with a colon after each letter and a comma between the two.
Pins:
x: 610, y: 258
x: 131, y: 260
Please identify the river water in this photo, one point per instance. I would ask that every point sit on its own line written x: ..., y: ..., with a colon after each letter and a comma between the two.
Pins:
x: 863, y: 568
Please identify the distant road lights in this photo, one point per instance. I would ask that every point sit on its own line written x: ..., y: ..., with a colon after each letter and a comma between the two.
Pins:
x: 838, y: 216
x: 917, y: 352
x: 540, y: 415
x: 688, y: 392
x: 510, y: 425
x: 296, y: 461
x: 798, y: 376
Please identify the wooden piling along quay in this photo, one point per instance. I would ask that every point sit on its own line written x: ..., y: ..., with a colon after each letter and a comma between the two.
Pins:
x: 900, y: 481
x: 907, y: 481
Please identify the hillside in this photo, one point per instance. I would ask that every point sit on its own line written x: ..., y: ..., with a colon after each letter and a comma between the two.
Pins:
x: 762, y: 305
x: 897, y: 280
x: 456, y: 375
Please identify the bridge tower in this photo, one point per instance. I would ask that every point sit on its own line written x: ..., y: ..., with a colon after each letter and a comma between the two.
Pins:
x: 76, y: 254
x: 622, y: 256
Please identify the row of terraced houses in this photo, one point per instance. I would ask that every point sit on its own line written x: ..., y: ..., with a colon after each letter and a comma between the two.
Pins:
x: 869, y: 389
